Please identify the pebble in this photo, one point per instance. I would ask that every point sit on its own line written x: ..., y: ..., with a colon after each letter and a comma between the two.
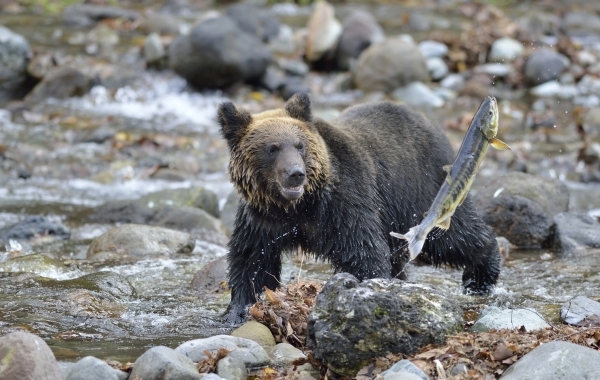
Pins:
x: 154, y: 50
x: 495, y: 69
x: 455, y: 82
x: 505, y: 49
x: 437, y: 68
x: 418, y: 94
x: 431, y: 49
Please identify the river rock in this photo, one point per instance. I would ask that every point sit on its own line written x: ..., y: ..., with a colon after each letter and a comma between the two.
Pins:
x: 197, y: 221
x: 163, y: 363
x: 91, y: 368
x: 89, y: 14
x: 324, y: 30
x: 284, y: 43
x: 354, y: 322
x: 543, y: 66
x: 27, y: 356
x: 579, y: 23
x: 403, y: 367
x: 521, y: 207
x: 259, y: 22
x: 230, y: 210
x: 359, y: 31
x: 494, y: 318
x: 505, y: 49
x: 390, y: 64
x: 89, y: 304
x: 34, y: 226
x: 557, y: 361
x: 292, y: 86
x: 218, y: 53
x: 250, y: 352
x: 105, y: 282
x: 257, y: 332
x: 437, y: 68
x: 232, y: 368
x: 139, y: 240
x: 454, y: 82
x: 418, y: 94
x: 154, y: 51
x: 61, y: 83
x: 431, y: 49
x: 38, y: 263
x: 14, y: 58
x: 581, y: 311
x: 284, y: 354
x: 575, y: 232
x: 211, y: 277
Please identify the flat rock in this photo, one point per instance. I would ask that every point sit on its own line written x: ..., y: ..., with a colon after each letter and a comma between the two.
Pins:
x: 89, y: 14
x: 250, y: 352
x: 494, y: 318
x: 354, y: 322
x: 27, y: 356
x: 104, y: 282
x: 38, y: 263
x: 431, y: 49
x: 557, y: 361
x: 581, y: 311
x: 575, y: 233
x: 163, y: 363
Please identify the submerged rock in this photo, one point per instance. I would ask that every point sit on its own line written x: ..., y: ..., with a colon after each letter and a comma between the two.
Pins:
x: 581, y: 311
x: 105, y: 282
x: 163, y: 363
x: 26, y: 356
x: 250, y: 352
x: 89, y: 14
x: 14, y: 58
x: 572, y: 233
x: 557, y: 361
x: 494, y: 318
x: 353, y: 322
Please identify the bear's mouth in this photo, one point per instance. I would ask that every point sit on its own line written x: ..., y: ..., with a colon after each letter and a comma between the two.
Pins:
x: 292, y: 193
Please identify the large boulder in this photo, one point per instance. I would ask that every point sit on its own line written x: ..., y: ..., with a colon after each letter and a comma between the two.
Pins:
x: 573, y: 233
x: 14, y: 58
x: 359, y: 31
x: 26, y: 356
x: 218, y: 53
x: 354, y: 322
x: 557, y: 361
x: 521, y: 207
x: 390, y: 64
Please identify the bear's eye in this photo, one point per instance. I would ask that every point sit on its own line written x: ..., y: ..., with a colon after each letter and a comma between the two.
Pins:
x: 272, y: 149
x: 300, y: 146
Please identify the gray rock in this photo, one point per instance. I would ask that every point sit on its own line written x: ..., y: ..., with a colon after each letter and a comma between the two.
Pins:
x: 154, y: 51
x: 293, y: 66
x: 546, y: 90
x: 259, y: 22
x: 294, y: 85
x: 459, y: 369
x: 581, y: 311
x: 232, y: 368
x: 108, y: 283
x: 61, y: 83
x: 230, y: 209
x: 88, y: 14
x: 163, y: 363
x: 14, y: 58
x: 359, y: 31
x: 580, y: 23
x: 91, y: 368
x: 494, y: 69
x: 197, y: 221
x: 284, y: 354
x: 445, y: 93
x: 250, y: 352
x: 256, y: 332
x: 402, y: 376
x: 543, y: 66
x: 323, y: 32
x: 32, y: 226
x: 591, y: 122
x: 390, y: 64
x: 211, y: 276
x: 211, y: 376
x: 217, y: 53
x: 437, y: 68
x: 557, y: 361
x: 38, y: 263
x: 284, y: 42
x: 494, y: 318
x: 353, y: 322
x: 418, y: 94
x: 521, y: 207
x: 41, y: 64
x: 454, y: 82
x: 273, y: 79
x: 431, y: 49
x: 404, y: 366
x: 172, y: 175
x: 90, y: 304
x: 27, y: 356
x: 591, y: 154
x: 575, y: 232
x: 505, y: 49
x: 139, y: 240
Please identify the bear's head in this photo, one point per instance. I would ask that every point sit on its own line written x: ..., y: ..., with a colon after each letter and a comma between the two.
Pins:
x: 276, y: 156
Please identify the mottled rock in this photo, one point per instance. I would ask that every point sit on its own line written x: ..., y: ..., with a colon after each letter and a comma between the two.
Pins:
x: 91, y: 368
x: 232, y: 368
x: 217, y: 53
x: 61, y: 83
x: 557, y: 361
x: 543, y: 66
x: 257, y: 332
x: 138, y: 240
x: 353, y: 322
x: 390, y: 64
x: 250, y: 352
x: 211, y: 277
x: 521, y: 207
x: 581, y: 311
x: 163, y: 363
x: 14, y: 58
x: 418, y: 94
x: 324, y: 30
x: 257, y: 21
x: 505, y: 49
x: 404, y: 367
x: 574, y: 232
x: 27, y: 356
x: 494, y: 318
x: 284, y: 354
x: 359, y: 31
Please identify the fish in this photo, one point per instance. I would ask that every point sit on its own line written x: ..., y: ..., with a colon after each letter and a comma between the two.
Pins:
x: 460, y: 175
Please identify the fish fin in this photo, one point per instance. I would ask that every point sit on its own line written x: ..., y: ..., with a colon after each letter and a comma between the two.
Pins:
x: 448, y: 169
x: 415, y: 243
x: 498, y: 144
x: 444, y: 224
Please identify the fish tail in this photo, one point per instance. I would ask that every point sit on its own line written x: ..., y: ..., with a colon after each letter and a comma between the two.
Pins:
x: 415, y: 238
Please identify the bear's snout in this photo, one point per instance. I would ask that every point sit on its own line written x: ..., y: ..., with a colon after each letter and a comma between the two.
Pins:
x: 292, y: 181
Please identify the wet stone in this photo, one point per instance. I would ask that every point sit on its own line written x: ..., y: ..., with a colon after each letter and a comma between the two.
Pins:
x: 494, y: 318
x: 250, y: 352
x: 575, y: 233
x: 91, y: 368
x: 38, y: 263
x: 163, y: 363
x: 232, y: 368
x: 110, y: 283
x: 211, y: 277
x: 85, y: 303
x: 283, y: 354
x: 257, y: 332
x: 27, y: 356
x: 581, y: 311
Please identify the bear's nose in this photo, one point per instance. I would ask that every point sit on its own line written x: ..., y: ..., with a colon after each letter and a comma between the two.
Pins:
x: 295, y: 176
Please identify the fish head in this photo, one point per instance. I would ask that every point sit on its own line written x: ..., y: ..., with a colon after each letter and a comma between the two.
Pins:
x: 486, y: 117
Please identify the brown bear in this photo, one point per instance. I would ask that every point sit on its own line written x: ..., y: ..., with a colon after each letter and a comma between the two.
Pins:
x: 337, y: 189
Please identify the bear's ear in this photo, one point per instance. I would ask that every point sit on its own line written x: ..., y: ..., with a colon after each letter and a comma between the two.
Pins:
x: 298, y: 107
x: 232, y: 121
